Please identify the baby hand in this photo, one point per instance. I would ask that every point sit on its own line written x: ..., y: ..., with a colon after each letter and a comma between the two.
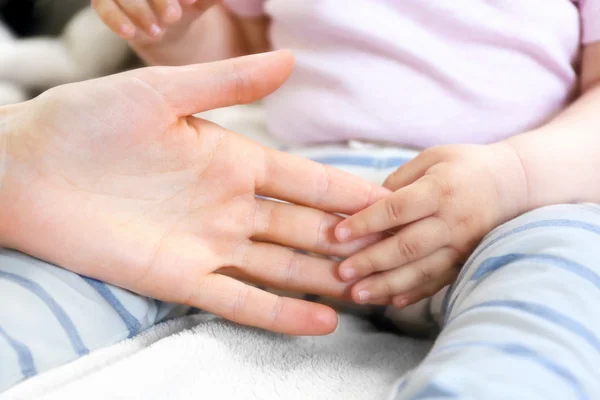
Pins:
x: 144, y: 18
x: 445, y: 201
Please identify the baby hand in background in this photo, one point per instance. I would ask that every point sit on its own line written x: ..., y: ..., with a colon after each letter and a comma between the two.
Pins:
x: 444, y: 202
x: 147, y: 19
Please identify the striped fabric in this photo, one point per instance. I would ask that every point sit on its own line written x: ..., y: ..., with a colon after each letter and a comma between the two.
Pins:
x: 519, y: 323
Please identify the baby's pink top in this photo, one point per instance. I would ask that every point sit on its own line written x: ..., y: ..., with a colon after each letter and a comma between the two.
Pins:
x: 423, y: 72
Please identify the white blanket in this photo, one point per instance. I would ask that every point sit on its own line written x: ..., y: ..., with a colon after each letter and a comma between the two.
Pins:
x: 206, y: 357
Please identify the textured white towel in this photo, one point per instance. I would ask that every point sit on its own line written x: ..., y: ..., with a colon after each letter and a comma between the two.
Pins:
x: 206, y: 357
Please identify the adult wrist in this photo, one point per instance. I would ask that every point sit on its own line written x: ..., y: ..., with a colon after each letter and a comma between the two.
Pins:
x: 11, y: 124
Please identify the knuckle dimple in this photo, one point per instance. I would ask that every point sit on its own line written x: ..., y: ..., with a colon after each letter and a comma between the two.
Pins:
x: 323, y: 183
x: 407, y: 251
x: 241, y: 299
x: 290, y: 271
x: 276, y: 312
x: 385, y: 289
x: 445, y: 190
x: 392, y: 209
x: 242, y: 86
x: 322, y: 240
x: 366, y: 265
x: 424, y: 274
x: 463, y: 223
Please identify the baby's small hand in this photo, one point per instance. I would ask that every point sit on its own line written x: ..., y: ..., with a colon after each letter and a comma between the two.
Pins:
x: 145, y: 18
x: 445, y: 201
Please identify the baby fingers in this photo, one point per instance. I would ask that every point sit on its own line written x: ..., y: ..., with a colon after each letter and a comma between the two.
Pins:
x: 142, y: 15
x: 110, y: 13
x: 407, y: 282
x: 408, y: 204
x: 168, y: 11
x: 410, y: 244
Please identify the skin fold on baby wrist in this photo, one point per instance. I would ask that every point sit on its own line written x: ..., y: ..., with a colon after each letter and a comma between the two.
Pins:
x: 511, y: 179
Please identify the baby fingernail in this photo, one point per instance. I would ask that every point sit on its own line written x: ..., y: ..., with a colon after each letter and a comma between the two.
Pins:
x: 400, y: 303
x: 347, y: 273
x: 171, y: 13
x: 343, y: 234
x: 363, y: 295
x: 154, y: 30
x: 127, y: 30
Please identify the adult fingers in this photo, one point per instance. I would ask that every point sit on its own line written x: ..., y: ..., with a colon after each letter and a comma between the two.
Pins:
x: 244, y: 304
x: 283, y: 268
x: 297, y: 180
x: 411, y: 243
x: 303, y: 228
x: 201, y: 87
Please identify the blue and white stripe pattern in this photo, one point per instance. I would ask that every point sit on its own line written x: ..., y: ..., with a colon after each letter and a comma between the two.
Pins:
x: 521, y: 322
x: 50, y: 316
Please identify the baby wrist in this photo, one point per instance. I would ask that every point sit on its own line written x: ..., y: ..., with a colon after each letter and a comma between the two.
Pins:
x: 511, y: 179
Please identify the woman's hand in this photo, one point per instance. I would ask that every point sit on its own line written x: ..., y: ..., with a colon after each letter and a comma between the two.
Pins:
x: 113, y: 179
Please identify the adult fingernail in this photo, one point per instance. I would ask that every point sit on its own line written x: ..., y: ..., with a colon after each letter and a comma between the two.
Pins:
x: 364, y: 295
x: 343, y: 234
x: 327, y: 318
x: 347, y: 273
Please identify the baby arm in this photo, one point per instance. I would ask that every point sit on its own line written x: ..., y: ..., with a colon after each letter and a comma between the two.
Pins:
x: 449, y: 197
x: 560, y: 161
x: 181, y: 32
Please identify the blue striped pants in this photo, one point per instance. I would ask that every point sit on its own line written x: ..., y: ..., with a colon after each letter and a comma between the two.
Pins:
x: 518, y: 324
x: 521, y: 321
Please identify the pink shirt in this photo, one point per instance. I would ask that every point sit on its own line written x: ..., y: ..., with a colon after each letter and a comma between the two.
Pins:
x: 423, y: 72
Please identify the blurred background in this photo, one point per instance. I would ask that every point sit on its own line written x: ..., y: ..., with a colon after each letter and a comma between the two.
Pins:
x: 44, y: 43
x: 38, y: 17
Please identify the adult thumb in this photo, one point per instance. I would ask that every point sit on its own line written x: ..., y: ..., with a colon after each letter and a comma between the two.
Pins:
x: 201, y: 87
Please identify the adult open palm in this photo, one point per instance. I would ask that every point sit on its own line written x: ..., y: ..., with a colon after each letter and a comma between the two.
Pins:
x: 113, y: 179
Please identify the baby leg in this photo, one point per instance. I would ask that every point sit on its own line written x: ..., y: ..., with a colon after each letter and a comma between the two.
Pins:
x: 521, y: 322
x: 50, y: 316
